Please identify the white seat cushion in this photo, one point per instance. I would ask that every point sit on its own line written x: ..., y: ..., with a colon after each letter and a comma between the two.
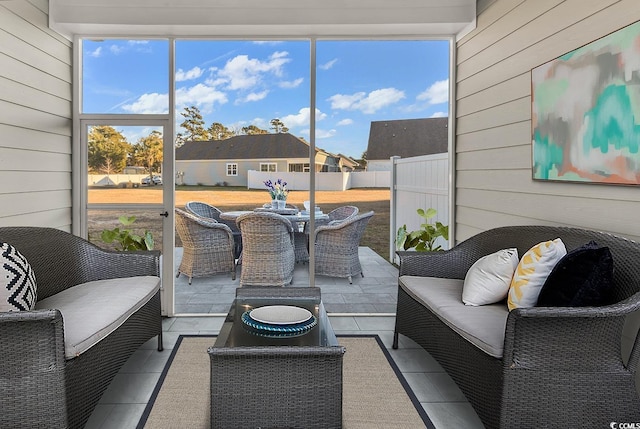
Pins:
x: 483, y: 326
x: 93, y: 310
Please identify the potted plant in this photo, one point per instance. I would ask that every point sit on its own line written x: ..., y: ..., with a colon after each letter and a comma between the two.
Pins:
x: 278, y: 192
x: 423, y: 239
x: 126, y: 239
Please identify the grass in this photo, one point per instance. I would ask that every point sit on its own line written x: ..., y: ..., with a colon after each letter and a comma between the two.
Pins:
x: 376, y: 236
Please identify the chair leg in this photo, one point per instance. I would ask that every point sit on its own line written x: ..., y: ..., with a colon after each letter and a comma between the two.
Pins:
x: 395, y: 340
x: 160, y: 347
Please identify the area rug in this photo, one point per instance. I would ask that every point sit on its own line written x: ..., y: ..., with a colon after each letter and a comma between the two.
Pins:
x: 375, y: 394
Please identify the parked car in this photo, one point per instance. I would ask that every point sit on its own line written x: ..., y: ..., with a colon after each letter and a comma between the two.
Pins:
x: 156, y: 180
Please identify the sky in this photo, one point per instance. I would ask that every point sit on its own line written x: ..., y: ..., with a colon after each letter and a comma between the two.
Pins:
x: 240, y: 83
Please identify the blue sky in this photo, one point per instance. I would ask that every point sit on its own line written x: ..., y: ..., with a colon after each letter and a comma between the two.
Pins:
x: 239, y: 83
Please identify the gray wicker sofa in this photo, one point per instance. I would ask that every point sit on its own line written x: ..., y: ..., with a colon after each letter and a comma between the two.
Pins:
x: 94, y: 309
x: 539, y: 367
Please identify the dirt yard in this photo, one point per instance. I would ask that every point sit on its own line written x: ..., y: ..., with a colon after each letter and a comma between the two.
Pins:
x: 376, y: 235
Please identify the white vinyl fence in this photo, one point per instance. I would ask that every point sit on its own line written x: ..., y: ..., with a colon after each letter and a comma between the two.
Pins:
x: 324, y: 181
x: 419, y: 182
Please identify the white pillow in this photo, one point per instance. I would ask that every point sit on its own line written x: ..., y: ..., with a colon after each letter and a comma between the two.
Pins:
x: 17, y: 281
x: 488, y: 279
x: 532, y: 272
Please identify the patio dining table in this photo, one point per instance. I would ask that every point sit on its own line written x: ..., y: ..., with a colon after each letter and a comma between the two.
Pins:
x: 292, y: 216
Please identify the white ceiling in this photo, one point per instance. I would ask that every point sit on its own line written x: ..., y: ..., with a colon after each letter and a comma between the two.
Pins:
x: 262, y: 18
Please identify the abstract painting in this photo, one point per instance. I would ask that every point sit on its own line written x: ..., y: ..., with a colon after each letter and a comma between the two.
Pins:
x: 586, y: 112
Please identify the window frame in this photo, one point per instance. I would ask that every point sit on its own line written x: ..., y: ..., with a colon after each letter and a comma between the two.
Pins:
x: 269, y: 164
x: 234, y: 167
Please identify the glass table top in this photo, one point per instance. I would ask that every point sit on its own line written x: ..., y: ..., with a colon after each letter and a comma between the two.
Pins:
x: 236, y: 333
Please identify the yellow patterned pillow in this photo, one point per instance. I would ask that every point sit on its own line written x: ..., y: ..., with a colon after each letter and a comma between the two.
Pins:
x: 532, y: 272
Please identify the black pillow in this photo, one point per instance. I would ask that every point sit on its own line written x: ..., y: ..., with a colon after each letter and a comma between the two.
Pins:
x: 583, y: 277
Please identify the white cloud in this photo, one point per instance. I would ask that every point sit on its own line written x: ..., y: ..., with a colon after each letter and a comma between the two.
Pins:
x: 328, y: 64
x: 242, y: 72
x: 437, y: 93
x: 148, y: 104
x: 254, y: 96
x: 345, y: 122
x: 320, y: 134
x: 96, y: 53
x: 439, y: 115
x: 367, y: 103
x: 301, y: 118
x: 194, y: 73
x: 325, y: 134
x: 115, y: 49
x: 291, y: 84
x: 200, y: 95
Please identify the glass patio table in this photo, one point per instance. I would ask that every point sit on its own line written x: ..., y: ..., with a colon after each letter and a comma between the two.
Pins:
x: 262, y: 379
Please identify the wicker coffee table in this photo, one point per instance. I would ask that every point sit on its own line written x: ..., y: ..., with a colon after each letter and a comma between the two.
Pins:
x: 262, y: 379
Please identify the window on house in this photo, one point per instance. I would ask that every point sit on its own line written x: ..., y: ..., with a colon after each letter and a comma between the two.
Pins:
x: 270, y: 167
x: 299, y: 168
x: 232, y: 169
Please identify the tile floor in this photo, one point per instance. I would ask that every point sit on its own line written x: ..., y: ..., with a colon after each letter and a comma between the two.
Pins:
x: 123, y: 403
x: 376, y: 292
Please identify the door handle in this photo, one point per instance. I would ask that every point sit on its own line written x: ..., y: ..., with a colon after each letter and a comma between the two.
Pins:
x: 165, y: 214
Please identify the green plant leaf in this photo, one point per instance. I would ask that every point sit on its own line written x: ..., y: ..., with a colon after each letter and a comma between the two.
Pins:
x: 127, y: 220
x: 148, y: 240
x: 401, y: 236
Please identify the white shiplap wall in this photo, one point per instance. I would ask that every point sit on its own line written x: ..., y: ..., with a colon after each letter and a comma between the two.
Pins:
x: 35, y: 118
x: 493, y: 142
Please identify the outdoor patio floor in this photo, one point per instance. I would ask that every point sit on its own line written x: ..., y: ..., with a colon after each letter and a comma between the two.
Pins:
x: 124, y: 401
x: 376, y: 292
x: 371, y: 300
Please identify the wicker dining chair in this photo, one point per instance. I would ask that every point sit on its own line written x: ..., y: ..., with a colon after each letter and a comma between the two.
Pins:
x: 268, y: 253
x: 336, y: 247
x: 207, y: 246
x: 337, y: 215
x: 208, y: 211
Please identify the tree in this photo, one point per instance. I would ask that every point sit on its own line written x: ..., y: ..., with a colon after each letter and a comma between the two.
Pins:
x: 108, y: 150
x: 252, y: 130
x: 193, y: 124
x: 147, y: 152
x: 217, y: 131
x: 278, y: 126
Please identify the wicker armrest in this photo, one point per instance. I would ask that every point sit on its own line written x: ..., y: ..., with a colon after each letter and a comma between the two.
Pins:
x: 452, y: 264
x: 559, y: 338
x: 101, y: 264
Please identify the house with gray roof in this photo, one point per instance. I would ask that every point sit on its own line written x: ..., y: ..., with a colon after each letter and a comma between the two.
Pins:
x: 226, y: 162
x: 405, y: 138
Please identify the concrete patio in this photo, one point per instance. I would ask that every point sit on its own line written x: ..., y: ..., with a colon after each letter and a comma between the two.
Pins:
x: 375, y: 293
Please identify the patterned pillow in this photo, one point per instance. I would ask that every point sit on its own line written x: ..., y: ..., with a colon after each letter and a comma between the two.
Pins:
x: 532, y: 272
x: 17, y: 281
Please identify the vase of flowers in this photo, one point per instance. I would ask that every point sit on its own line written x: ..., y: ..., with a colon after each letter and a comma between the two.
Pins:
x: 278, y: 192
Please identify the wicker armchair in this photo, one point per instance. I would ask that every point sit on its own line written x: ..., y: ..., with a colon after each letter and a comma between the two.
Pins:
x: 268, y: 255
x: 336, y: 247
x: 208, y: 246
x: 337, y: 215
x: 210, y: 212
x: 561, y: 366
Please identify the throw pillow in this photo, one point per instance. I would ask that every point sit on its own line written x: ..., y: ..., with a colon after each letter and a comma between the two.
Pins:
x: 583, y: 277
x: 488, y: 279
x: 17, y: 281
x: 532, y: 272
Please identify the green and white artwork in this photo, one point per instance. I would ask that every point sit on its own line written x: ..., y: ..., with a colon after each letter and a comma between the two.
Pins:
x: 586, y: 112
